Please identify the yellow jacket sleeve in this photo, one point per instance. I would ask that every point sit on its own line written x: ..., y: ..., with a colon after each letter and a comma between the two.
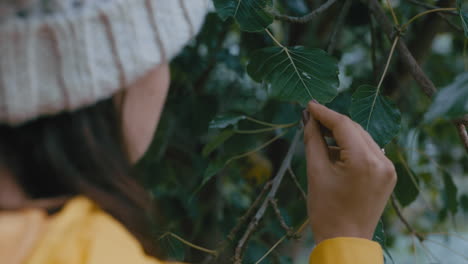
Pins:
x: 84, y: 234
x: 347, y: 251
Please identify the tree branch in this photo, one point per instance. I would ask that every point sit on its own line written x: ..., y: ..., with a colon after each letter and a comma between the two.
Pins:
x: 249, y: 212
x: 274, y: 205
x: 296, y: 182
x: 338, y: 26
x: 271, y: 195
x: 240, y: 223
x: 306, y: 18
x: 405, y: 222
x: 407, y: 58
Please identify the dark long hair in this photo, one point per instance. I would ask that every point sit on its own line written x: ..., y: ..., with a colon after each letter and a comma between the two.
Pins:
x: 79, y: 153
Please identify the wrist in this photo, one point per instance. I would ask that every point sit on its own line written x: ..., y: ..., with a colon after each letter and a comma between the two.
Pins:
x: 318, y: 238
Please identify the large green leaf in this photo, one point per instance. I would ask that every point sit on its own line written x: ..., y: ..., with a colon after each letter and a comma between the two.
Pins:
x: 296, y: 74
x: 250, y: 14
x: 406, y: 190
x: 341, y: 103
x: 450, y: 194
x: 463, y: 16
x: 451, y: 102
x: 217, y: 141
x: 376, y: 114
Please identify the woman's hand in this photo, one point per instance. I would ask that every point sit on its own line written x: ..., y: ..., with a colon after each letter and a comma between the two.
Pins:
x: 348, y: 186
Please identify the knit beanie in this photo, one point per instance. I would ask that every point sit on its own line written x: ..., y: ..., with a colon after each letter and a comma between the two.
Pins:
x: 62, y: 55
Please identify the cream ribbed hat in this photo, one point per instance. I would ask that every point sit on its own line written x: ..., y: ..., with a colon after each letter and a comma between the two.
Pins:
x: 61, y: 55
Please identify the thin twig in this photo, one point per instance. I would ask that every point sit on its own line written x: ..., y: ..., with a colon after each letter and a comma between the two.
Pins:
x: 257, y: 149
x: 262, y: 209
x: 421, y: 78
x: 429, y: 6
x: 403, y: 28
x: 306, y: 18
x: 403, y: 219
x: 461, y: 129
x: 296, y: 235
x: 262, y: 130
x: 338, y: 26
x: 274, y: 205
x: 209, y: 251
x: 240, y: 224
x: 263, y: 123
x: 463, y: 120
x: 410, y: 62
x: 442, y: 14
x: 249, y: 212
x: 395, y: 19
x: 298, y: 185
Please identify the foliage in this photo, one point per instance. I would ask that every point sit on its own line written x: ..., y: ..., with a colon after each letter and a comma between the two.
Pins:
x: 376, y: 114
x: 236, y: 101
x: 296, y: 74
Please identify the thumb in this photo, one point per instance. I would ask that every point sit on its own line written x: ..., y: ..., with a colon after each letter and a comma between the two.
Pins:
x: 316, y: 149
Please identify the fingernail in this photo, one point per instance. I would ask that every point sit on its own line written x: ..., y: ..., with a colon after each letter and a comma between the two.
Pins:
x: 314, y: 101
x: 305, y: 117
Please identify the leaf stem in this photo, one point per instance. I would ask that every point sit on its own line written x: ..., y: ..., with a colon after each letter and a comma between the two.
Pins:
x: 269, y: 124
x: 274, y: 39
x: 403, y: 28
x: 286, y: 50
x: 264, y: 145
x: 209, y: 251
x: 397, y: 38
x: 395, y: 19
x: 262, y: 130
x: 381, y: 79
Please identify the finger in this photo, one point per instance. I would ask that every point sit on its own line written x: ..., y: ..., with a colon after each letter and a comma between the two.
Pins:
x: 315, y: 146
x: 305, y: 117
x: 342, y: 128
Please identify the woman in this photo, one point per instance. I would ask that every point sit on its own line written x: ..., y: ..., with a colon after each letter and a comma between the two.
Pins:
x: 82, y: 85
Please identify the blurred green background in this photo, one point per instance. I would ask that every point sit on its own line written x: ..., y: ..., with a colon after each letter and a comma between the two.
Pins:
x: 209, y: 80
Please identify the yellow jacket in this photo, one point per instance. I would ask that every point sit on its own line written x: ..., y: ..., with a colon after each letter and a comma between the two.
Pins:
x: 83, y: 234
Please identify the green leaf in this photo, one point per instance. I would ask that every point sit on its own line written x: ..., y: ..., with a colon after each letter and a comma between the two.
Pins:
x: 406, y: 190
x: 296, y: 74
x: 341, y: 103
x: 217, y: 141
x: 250, y: 14
x: 463, y: 16
x: 376, y: 114
x: 225, y: 121
x: 464, y: 203
x: 379, y: 234
x: 214, y: 167
x: 381, y: 238
x: 450, y: 194
x: 450, y: 102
